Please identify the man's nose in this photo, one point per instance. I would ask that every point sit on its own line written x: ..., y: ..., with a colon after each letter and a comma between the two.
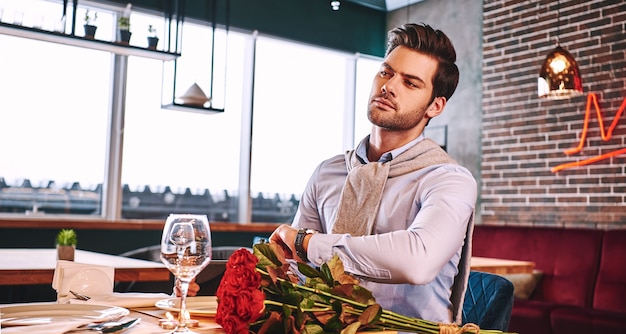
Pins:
x: 389, y: 87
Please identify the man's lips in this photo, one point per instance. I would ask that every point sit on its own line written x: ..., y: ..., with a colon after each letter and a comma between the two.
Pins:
x: 384, y: 103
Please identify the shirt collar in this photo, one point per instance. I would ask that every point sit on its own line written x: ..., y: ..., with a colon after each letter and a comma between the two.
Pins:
x: 361, y: 149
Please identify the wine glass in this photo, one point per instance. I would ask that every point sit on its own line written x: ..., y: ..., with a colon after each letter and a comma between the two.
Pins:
x: 185, y: 251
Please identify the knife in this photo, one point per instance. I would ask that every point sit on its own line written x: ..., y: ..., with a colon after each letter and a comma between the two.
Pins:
x: 122, y: 326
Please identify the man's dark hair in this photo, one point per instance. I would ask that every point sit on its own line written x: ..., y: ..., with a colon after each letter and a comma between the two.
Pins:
x: 434, y: 43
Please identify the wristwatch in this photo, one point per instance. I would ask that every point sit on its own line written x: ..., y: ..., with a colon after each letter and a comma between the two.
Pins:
x: 299, y: 243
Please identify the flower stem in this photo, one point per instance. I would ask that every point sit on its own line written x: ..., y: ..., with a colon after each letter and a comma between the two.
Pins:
x: 388, y: 320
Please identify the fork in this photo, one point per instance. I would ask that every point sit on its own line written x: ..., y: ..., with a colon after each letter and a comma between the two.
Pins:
x: 80, y: 295
x: 106, y: 327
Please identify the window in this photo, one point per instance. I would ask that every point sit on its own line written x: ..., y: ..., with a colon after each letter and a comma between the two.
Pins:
x: 177, y: 161
x: 56, y: 109
x: 54, y: 115
x: 298, y: 117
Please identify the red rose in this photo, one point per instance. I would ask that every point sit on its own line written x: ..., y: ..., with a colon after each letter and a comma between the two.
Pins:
x: 240, y: 300
x: 242, y: 257
x: 227, y: 303
x: 250, y: 304
x: 233, y: 325
x: 241, y: 278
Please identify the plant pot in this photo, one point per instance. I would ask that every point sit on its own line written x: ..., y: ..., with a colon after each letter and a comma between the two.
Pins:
x: 90, y: 31
x: 65, y: 253
x: 153, y: 42
x: 124, y: 36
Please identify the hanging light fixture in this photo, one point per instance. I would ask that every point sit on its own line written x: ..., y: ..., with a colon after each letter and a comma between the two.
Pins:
x: 200, y: 95
x: 559, y: 77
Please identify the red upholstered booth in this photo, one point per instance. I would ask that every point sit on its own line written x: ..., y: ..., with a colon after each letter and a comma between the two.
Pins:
x: 582, y: 283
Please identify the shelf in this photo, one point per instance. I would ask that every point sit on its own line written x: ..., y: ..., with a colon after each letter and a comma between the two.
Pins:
x: 199, y: 110
x: 95, y: 44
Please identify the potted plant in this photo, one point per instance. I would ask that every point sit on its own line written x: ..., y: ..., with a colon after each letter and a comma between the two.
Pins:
x: 90, y: 24
x: 123, y: 26
x: 153, y: 39
x: 66, y: 244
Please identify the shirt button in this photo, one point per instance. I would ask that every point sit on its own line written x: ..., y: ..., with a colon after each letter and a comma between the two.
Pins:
x: 319, y: 261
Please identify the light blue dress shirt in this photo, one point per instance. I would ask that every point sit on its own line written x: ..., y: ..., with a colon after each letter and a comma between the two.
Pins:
x: 410, y: 262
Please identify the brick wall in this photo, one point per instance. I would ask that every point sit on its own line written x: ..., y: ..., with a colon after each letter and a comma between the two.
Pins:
x: 523, y: 137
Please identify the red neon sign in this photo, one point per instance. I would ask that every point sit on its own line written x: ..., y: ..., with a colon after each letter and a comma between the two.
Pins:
x: 605, y: 135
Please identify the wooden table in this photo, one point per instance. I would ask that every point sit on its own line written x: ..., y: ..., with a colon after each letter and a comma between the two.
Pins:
x: 207, y: 325
x: 36, y: 266
x: 501, y: 266
x: 150, y: 323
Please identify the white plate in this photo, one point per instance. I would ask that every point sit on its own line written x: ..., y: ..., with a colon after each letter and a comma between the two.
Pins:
x: 45, y: 313
x: 203, y: 306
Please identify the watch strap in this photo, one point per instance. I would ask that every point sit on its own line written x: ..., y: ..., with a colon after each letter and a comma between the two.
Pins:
x: 299, y: 243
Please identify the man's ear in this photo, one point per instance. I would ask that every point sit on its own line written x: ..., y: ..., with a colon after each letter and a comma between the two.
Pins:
x: 436, y: 107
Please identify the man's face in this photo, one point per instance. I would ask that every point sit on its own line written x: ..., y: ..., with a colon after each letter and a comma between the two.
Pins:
x: 402, y: 90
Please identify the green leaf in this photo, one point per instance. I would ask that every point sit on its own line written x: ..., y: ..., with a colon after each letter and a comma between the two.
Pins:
x: 307, y: 270
x: 317, y: 298
x: 313, y: 329
x: 266, y: 255
x: 292, y: 298
x: 307, y: 303
x: 335, y: 323
x: 326, y: 274
x: 318, y: 283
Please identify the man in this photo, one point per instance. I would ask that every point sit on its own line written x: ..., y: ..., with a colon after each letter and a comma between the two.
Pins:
x: 397, y: 210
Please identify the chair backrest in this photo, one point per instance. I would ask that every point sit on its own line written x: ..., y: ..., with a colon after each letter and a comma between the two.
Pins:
x: 149, y: 253
x: 488, y: 301
x: 209, y: 278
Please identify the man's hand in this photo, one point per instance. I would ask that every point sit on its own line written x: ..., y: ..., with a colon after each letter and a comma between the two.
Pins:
x: 191, y: 292
x: 285, y: 237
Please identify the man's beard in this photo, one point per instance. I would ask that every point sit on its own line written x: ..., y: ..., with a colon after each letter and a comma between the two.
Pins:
x: 397, y: 121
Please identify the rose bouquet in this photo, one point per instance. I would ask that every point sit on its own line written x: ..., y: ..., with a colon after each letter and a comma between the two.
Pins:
x: 259, y: 293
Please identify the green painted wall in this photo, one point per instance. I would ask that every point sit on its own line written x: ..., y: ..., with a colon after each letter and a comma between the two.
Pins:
x: 110, y: 241
x: 353, y: 28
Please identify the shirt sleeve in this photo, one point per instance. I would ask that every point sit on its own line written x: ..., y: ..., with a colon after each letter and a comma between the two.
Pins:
x: 413, y: 254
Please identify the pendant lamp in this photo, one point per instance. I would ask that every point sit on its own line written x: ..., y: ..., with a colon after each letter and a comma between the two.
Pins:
x: 559, y: 77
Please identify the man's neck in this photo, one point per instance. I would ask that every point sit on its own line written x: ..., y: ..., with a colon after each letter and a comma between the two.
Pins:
x: 382, y: 141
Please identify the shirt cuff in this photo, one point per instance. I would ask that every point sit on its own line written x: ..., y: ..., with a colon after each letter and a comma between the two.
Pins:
x: 320, y: 248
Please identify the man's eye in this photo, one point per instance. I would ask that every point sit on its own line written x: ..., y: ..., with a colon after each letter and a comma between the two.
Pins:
x: 410, y: 84
x: 384, y: 73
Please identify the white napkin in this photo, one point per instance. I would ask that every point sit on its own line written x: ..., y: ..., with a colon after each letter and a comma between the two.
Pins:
x: 125, y: 299
x: 51, y: 328
x: 88, y: 279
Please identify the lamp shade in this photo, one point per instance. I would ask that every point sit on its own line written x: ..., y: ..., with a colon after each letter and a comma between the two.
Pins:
x: 559, y: 77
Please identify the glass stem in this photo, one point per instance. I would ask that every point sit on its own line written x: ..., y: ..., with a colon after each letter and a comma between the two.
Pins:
x: 182, y: 321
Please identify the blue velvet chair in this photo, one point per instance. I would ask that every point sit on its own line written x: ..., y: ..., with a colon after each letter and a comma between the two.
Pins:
x: 488, y: 301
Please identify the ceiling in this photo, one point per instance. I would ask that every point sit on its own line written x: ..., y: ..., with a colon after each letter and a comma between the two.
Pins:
x: 385, y: 5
